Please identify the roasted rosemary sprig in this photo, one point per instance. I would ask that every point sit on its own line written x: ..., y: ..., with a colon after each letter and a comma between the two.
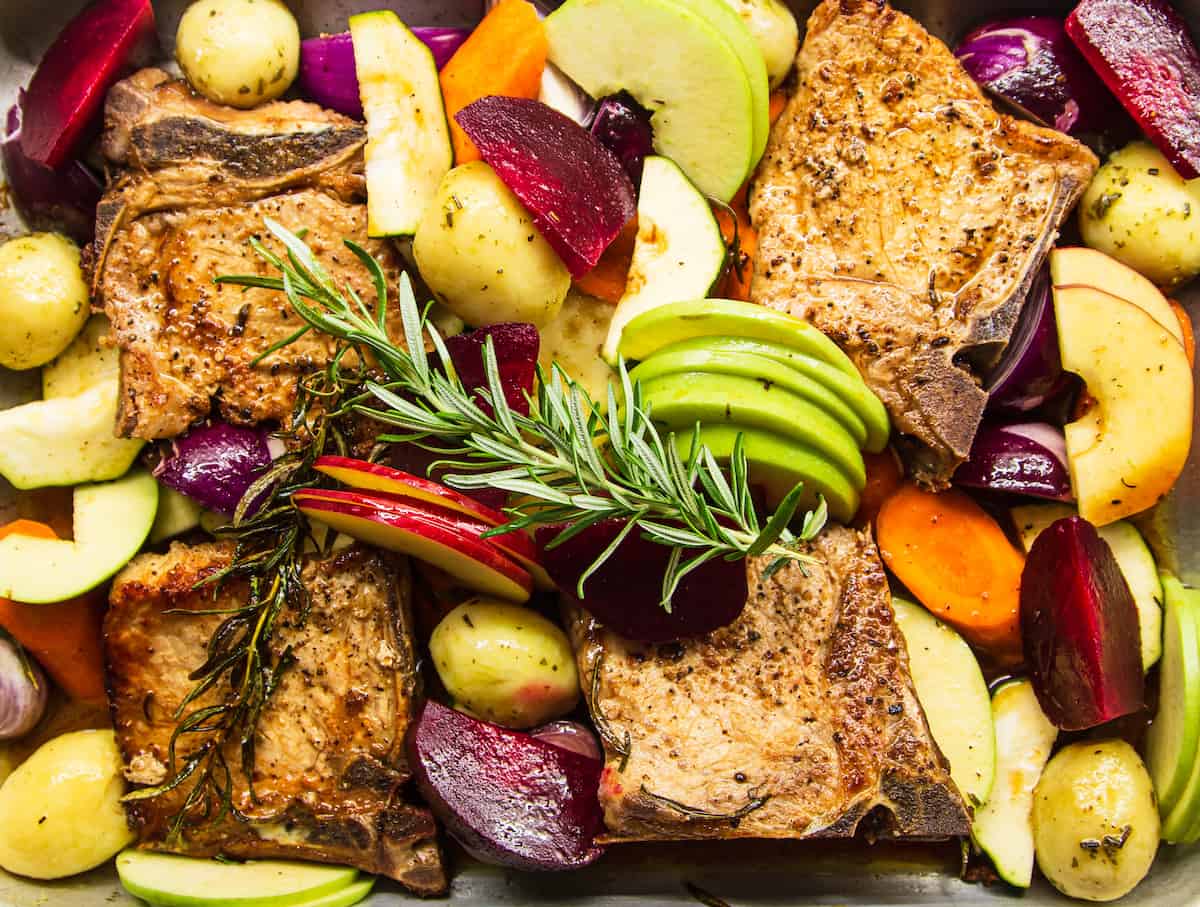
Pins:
x: 569, y: 461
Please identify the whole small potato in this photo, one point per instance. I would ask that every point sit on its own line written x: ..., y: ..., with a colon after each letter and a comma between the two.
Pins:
x: 43, y: 299
x: 238, y: 52
x: 1095, y: 820
x: 774, y: 28
x: 1140, y: 211
x: 478, y: 250
x: 504, y: 663
x: 60, y: 811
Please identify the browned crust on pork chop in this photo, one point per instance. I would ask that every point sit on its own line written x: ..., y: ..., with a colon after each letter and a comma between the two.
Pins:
x: 798, y: 720
x: 903, y: 216
x: 330, y: 765
x: 192, y: 184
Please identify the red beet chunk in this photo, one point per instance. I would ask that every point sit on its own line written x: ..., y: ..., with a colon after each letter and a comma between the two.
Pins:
x: 578, y: 192
x: 64, y: 100
x: 1145, y: 55
x: 625, y: 593
x: 516, y: 344
x: 507, y: 797
x: 1080, y: 628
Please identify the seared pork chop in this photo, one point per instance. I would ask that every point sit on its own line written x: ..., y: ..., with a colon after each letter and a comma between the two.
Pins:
x: 192, y: 183
x: 903, y: 216
x: 798, y: 720
x: 330, y: 763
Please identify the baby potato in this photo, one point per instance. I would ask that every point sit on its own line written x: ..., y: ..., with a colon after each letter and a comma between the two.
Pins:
x: 574, y: 340
x: 1140, y: 211
x: 238, y: 52
x: 504, y: 663
x: 1095, y: 821
x: 60, y: 811
x: 774, y: 28
x: 478, y: 250
x: 43, y: 299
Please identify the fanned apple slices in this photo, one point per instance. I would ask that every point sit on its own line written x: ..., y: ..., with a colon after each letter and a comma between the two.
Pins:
x: 422, y: 518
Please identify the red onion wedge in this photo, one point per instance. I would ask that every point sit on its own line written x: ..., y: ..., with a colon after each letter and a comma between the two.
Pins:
x: 623, y: 127
x: 328, y: 77
x: 1029, y: 459
x: 1031, y: 63
x: 23, y: 691
x: 1030, y: 373
x: 570, y: 735
x: 215, y: 464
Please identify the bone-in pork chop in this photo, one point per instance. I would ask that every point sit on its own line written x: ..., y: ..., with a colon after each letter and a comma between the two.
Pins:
x: 329, y: 755
x: 798, y: 720
x: 192, y: 183
x: 903, y: 216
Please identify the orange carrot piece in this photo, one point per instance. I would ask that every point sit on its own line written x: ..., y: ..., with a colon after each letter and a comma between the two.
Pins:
x: 64, y: 637
x: 884, y: 477
x: 741, y: 269
x: 957, y: 561
x: 1189, y: 337
x: 775, y: 105
x: 607, y: 280
x: 504, y: 55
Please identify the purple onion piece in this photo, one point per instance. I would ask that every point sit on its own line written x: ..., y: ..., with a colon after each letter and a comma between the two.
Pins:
x: 1028, y: 459
x: 572, y: 736
x: 1031, y: 63
x: 622, y: 125
x: 64, y: 199
x: 1030, y: 372
x: 215, y: 464
x: 23, y: 691
x: 328, y: 75
x: 559, y: 92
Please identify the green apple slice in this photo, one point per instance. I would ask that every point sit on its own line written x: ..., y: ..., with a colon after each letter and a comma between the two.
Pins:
x: 65, y: 440
x: 1003, y: 827
x: 1172, y: 741
x: 679, y: 251
x: 177, y: 514
x: 682, y: 400
x: 1133, y: 557
x: 408, y: 142
x: 664, y: 325
x: 175, y: 881
x: 735, y: 30
x: 851, y: 390
x: 759, y: 368
x: 112, y: 521
x: 345, y: 897
x: 779, y: 464
x: 692, y: 80
x: 954, y: 695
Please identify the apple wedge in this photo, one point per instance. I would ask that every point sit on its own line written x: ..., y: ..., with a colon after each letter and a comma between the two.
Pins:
x: 111, y: 521
x: 430, y: 537
x: 1079, y: 266
x: 378, y: 477
x: 1174, y: 737
x: 1128, y: 449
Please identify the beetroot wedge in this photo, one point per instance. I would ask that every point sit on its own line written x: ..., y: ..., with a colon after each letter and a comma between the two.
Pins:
x: 1145, y: 55
x: 626, y: 592
x: 578, y: 192
x: 1079, y: 624
x: 509, y: 798
x: 65, y: 97
x: 516, y: 345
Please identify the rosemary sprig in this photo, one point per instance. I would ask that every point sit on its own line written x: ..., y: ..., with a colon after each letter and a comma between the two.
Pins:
x: 572, y: 462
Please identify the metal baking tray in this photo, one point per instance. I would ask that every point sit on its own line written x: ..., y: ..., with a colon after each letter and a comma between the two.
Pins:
x: 742, y: 873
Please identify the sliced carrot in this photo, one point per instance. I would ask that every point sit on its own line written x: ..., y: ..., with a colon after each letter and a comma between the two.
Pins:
x: 607, y: 280
x: 884, y: 476
x: 741, y: 269
x: 1185, y: 324
x: 957, y: 561
x: 64, y: 637
x: 775, y: 105
x: 504, y: 55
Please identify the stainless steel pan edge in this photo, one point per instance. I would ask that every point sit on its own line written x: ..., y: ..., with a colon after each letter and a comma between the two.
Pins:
x: 742, y: 873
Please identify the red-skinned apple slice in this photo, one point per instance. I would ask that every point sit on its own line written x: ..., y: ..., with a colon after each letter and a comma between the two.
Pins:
x: 475, y: 562
x: 517, y: 545
x: 378, y: 477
